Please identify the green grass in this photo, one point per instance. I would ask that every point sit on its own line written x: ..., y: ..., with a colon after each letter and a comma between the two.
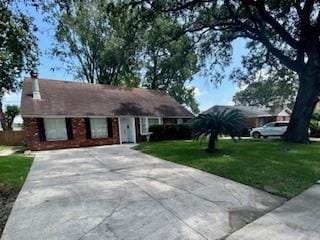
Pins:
x: 13, y: 172
x: 14, y: 169
x: 282, y: 168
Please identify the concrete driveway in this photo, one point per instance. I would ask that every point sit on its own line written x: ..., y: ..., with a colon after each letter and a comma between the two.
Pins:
x: 297, y: 219
x: 114, y: 192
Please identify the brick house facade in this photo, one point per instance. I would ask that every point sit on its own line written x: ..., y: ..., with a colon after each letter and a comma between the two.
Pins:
x: 34, y: 142
x: 59, y: 114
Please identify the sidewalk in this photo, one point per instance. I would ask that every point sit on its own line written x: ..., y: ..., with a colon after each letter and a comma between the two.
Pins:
x: 297, y: 219
x: 11, y: 150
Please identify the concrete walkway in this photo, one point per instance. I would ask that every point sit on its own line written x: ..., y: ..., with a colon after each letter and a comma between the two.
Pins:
x: 297, y: 219
x: 11, y: 150
x: 118, y: 193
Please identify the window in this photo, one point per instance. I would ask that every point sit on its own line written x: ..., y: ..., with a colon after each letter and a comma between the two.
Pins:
x: 179, y: 121
x: 153, y: 121
x: 147, y: 122
x: 99, y: 127
x: 144, y: 126
x: 55, y: 129
x: 261, y: 122
x: 281, y: 124
x: 269, y: 125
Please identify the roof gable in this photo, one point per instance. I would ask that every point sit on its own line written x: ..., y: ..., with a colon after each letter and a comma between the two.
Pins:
x: 251, y: 112
x: 64, y: 98
x: 247, y: 111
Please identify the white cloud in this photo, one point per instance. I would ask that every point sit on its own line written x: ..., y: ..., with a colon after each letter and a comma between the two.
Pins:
x: 198, y: 92
x: 12, y: 99
x: 230, y: 103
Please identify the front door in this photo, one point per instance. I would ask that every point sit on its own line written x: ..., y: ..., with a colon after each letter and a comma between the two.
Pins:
x: 127, y: 130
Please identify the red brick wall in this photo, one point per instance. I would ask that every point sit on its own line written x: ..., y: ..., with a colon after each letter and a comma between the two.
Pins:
x: 79, y: 136
x: 251, y: 122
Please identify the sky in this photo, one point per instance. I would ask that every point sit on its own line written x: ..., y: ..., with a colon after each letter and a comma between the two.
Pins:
x: 207, y: 95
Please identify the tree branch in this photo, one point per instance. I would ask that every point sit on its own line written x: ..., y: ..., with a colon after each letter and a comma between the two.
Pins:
x: 276, y: 26
x: 259, y: 35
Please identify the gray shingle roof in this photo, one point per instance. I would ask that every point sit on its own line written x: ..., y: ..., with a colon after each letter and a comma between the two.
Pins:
x: 247, y: 111
x: 65, y: 98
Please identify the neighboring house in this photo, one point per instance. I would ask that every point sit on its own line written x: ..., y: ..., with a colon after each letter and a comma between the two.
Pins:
x: 62, y: 114
x: 257, y: 117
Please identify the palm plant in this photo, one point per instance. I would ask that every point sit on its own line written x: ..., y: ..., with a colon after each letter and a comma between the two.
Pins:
x: 217, y: 122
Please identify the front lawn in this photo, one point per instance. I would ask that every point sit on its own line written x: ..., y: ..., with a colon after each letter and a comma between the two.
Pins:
x: 281, y: 168
x: 13, y: 171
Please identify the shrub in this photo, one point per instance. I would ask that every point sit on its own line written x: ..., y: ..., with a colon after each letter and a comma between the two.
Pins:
x: 170, y: 132
x: 315, y: 128
x: 315, y: 125
x: 157, y: 132
x: 184, y: 131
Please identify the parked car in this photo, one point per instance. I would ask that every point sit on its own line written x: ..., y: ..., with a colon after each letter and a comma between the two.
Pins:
x: 270, y: 129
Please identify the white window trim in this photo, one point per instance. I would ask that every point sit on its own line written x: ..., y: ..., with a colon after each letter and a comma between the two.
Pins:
x: 45, y: 129
x: 98, y: 137
x: 147, y: 123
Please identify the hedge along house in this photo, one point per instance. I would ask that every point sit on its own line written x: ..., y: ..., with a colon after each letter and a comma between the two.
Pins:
x: 64, y: 114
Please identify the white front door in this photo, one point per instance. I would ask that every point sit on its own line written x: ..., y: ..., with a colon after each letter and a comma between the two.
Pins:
x: 127, y: 130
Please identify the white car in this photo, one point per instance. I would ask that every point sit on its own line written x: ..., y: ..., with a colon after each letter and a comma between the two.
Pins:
x: 270, y: 129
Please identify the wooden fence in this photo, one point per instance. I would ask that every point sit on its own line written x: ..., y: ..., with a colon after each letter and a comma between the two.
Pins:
x: 12, y: 138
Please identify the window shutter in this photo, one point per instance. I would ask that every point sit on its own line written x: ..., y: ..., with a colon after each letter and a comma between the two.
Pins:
x: 109, y: 124
x: 88, y: 128
x: 69, y: 128
x: 41, y: 129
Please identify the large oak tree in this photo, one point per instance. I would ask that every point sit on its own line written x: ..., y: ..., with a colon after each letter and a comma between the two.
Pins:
x: 281, y: 36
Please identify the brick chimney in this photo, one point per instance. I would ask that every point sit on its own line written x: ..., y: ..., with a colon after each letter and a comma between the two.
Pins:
x: 35, y: 86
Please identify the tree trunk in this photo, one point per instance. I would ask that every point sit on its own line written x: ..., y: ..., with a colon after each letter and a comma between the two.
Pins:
x: 9, y: 127
x: 212, y: 142
x: 3, y: 118
x: 308, y: 92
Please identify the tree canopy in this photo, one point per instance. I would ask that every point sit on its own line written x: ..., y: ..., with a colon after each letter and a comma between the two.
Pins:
x: 97, y: 47
x: 169, y: 64
x: 18, y: 50
x: 267, y: 94
x: 282, y: 38
x: 11, y: 112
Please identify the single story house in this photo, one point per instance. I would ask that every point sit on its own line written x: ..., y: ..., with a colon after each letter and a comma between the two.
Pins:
x: 257, y: 117
x: 64, y: 114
